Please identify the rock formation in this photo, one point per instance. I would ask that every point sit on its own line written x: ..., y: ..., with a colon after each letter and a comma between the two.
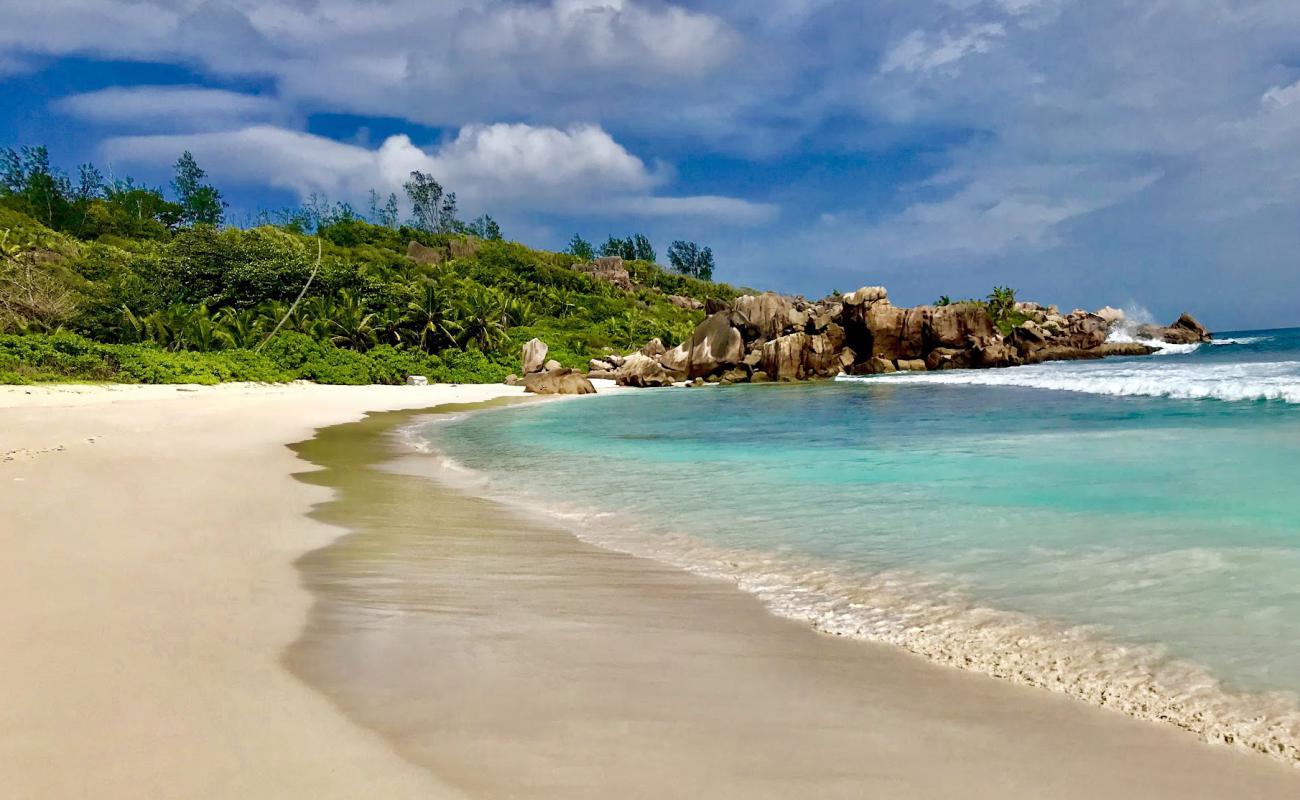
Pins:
x: 558, y: 381
x: 769, y: 337
x: 534, y: 356
x: 609, y: 269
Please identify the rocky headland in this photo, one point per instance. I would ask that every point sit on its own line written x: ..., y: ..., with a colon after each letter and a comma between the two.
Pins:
x: 770, y: 337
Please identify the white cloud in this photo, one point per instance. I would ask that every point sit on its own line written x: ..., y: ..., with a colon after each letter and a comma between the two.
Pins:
x: 447, y: 63
x: 922, y: 52
x: 499, y: 167
x: 176, y: 107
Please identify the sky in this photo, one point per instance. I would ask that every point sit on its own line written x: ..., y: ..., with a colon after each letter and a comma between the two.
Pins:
x: 1137, y: 153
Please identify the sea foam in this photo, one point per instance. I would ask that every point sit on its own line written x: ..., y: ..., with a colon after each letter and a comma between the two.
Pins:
x: 1277, y: 380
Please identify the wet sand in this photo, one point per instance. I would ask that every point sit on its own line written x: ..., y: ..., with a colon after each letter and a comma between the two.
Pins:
x: 514, y: 661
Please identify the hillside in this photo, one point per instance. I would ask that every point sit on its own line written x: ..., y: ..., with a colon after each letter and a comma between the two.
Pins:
x: 163, y: 303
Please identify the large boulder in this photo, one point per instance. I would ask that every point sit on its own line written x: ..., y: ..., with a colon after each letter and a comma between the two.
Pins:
x: 641, y: 370
x: 1085, y: 331
x: 764, y: 316
x: 688, y: 303
x: 995, y: 353
x: 1028, y: 338
x: 822, y: 357
x: 465, y: 246
x: 948, y: 358
x: 1113, y: 316
x: 534, y: 356
x: 958, y: 326
x: 1185, y: 330
x: 885, y: 321
x: 609, y: 269
x: 714, y: 346
x: 783, y: 357
x: 654, y: 348
x: 1126, y: 349
x: 911, y: 339
x: 823, y: 313
x: 867, y: 294
x: 558, y: 381
x: 425, y: 255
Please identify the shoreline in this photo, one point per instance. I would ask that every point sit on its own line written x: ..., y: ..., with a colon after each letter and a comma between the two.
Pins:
x: 691, y: 657
x: 147, y: 593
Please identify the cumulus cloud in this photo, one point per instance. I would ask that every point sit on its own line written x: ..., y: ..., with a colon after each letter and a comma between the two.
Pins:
x: 178, y: 107
x: 444, y: 63
x: 510, y: 167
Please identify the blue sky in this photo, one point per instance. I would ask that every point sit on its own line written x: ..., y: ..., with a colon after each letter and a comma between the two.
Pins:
x: 1087, y: 152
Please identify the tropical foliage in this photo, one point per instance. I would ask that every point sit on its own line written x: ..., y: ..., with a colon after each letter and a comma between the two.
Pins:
x: 116, y: 281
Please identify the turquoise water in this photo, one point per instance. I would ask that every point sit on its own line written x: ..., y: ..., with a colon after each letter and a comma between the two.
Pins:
x: 1125, y: 531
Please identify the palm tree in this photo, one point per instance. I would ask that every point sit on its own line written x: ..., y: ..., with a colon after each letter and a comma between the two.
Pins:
x: 1001, y: 302
x: 200, y: 332
x: 240, y: 329
x: 482, y: 318
x: 352, y: 324
x: 434, y: 319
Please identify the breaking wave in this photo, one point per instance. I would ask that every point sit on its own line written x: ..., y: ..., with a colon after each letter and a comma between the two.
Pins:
x: 1276, y: 381
x: 929, y: 617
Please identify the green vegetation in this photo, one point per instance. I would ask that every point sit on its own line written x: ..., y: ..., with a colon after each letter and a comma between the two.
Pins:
x: 116, y: 282
x: 1001, y: 305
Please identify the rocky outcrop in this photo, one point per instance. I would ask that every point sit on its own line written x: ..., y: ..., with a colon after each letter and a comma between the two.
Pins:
x: 764, y: 316
x: 770, y: 337
x: 688, y: 303
x: 609, y: 269
x: 465, y: 246
x: 1185, y: 330
x: 425, y: 255
x: 960, y: 325
x: 558, y: 381
x: 534, y: 356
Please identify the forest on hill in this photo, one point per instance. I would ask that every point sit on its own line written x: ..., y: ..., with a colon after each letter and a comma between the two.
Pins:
x: 112, y: 280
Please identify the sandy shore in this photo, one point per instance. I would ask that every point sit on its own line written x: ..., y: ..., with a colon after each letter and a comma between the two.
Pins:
x: 154, y: 548
x: 148, y: 591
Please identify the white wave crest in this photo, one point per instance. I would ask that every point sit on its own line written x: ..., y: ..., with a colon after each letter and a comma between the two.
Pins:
x: 1241, y: 340
x: 1277, y: 381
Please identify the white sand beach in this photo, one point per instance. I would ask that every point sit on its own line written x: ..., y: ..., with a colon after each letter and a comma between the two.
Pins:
x: 149, y: 595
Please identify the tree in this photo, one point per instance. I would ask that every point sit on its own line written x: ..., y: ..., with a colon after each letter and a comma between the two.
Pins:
x: 433, y: 210
x: 1001, y: 302
x: 200, y: 203
x: 642, y: 250
x: 485, y: 228
x: 614, y: 246
x: 688, y: 258
x: 581, y: 248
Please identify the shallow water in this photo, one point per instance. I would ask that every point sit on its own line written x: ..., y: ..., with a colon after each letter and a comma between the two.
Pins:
x: 1125, y: 531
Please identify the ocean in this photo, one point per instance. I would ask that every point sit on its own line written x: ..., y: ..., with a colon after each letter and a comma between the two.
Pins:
x: 1124, y: 531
